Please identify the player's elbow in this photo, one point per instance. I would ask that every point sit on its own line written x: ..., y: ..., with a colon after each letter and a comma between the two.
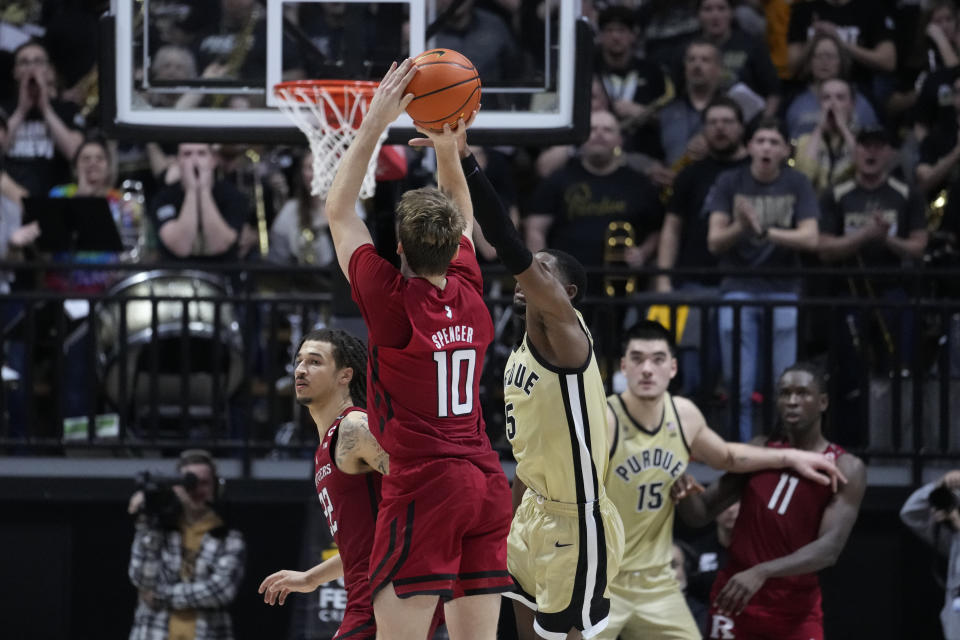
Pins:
x: 831, y: 553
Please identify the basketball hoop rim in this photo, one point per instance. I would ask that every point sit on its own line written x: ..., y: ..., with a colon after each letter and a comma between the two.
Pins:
x: 364, y: 88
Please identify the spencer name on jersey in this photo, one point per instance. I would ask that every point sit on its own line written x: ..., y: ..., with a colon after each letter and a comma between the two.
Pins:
x: 650, y: 459
x: 453, y: 333
x: 518, y: 376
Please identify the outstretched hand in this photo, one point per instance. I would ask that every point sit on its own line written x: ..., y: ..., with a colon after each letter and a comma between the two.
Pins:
x: 277, y: 586
x: 817, y: 467
x: 459, y: 134
x: 390, y: 99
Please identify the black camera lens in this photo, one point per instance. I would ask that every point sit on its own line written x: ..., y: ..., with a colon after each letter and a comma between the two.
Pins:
x: 190, y: 481
x: 943, y: 498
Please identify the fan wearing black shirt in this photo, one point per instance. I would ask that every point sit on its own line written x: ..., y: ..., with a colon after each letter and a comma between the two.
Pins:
x: 637, y: 88
x: 873, y: 220
x: 865, y: 31
x: 683, y: 237
x: 939, y: 164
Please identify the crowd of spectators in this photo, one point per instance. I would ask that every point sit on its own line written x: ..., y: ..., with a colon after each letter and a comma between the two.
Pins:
x: 743, y: 134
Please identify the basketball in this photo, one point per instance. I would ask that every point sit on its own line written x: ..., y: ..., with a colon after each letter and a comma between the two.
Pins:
x: 447, y: 88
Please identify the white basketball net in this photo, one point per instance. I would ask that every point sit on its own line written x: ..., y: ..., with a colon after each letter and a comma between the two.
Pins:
x: 329, y: 129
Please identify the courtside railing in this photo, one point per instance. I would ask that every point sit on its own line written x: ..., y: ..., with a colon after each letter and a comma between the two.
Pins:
x: 169, y: 356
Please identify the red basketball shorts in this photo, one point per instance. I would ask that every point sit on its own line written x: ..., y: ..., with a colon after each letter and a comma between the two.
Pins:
x: 755, y: 623
x: 442, y: 529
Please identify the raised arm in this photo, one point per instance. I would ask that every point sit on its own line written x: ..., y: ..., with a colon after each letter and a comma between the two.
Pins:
x: 668, y: 249
x: 918, y: 514
x: 708, y: 447
x: 835, y: 526
x: 551, y: 317
x: 450, y: 176
x: 346, y: 228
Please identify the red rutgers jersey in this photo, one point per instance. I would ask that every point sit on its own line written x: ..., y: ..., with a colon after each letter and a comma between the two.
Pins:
x: 350, y: 505
x: 779, y: 513
x: 426, y: 348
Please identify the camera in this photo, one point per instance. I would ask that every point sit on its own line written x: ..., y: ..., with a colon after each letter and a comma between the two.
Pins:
x: 943, y: 498
x: 160, y: 504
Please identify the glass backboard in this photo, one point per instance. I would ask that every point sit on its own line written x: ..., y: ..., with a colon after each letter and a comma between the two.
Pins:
x: 204, y: 69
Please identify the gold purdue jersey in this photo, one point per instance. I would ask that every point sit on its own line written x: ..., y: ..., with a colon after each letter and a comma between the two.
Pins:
x: 556, y: 422
x: 643, y: 466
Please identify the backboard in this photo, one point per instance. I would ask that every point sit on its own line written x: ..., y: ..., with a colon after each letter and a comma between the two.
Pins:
x: 203, y: 70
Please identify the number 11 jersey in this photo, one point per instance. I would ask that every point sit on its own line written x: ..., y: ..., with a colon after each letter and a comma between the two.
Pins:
x: 779, y: 513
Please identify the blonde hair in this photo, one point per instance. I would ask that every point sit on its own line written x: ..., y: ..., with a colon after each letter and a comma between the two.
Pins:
x: 429, y: 228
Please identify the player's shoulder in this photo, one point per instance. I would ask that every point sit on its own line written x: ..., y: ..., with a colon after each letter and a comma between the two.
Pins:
x: 354, y: 418
x: 846, y: 461
x: 688, y: 412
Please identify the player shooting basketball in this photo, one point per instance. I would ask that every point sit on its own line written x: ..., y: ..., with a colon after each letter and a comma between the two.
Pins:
x: 445, y: 508
x: 564, y: 524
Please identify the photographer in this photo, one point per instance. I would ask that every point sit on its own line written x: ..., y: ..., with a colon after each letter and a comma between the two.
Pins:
x: 185, y: 563
x: 932, y: 513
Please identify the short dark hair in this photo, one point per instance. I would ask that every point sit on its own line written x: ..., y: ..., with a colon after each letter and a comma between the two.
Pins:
x: 769, y: 123
x: 815, y: 371
x: 348, y: 351
x: 702, y: 42
x: 32, y: 42
x: 648, y: 330
x: 573, y: 272
x: 616, y: 13
x: 726, y: 102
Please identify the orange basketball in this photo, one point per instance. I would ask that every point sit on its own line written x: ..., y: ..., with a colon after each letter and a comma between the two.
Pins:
x: 447, y: 88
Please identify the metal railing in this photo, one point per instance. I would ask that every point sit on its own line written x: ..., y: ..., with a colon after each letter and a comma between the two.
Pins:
x: 200, y: 354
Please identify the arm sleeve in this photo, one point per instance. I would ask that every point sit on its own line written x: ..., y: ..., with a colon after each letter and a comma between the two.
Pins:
x: 144, y: 568
x: 720, y: 196
x: 916, y: 213
x: 680, y: 195
x: 806, y: 206
x: 165, y: 206
x: 234, y: 206
x: 215, y: 590
x: 829, y: 216
x: 494, y: 219
x: 916, y: 514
